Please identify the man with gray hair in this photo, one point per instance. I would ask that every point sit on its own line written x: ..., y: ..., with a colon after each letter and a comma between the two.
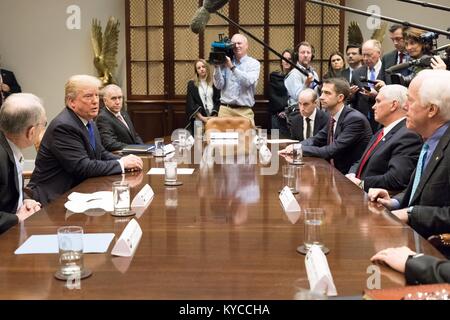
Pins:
x: 363, y: 92
x: 114, y: 123
x: 71, y: 150
x: 22, y: 118
x: 391, y: 155
x: 425, y: 204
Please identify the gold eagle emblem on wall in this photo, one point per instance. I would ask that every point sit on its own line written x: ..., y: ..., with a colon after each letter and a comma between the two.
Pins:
x: 105, y: 49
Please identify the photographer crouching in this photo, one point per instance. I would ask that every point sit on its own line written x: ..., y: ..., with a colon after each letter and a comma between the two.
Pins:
x: 237, y: 79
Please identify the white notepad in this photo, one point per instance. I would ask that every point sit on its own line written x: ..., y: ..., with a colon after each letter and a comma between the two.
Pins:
x: 39, y: 244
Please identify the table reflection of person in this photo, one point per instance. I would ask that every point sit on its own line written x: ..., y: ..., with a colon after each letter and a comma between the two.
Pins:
x: 233, y: 185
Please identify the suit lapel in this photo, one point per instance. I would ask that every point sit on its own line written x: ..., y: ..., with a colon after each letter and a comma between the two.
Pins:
x: 435, y: 159
x: 386, y: 138
x: 340, y: 122
x: 11, y: 159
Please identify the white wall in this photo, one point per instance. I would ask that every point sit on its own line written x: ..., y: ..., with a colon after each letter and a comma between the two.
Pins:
x: 37, y: 46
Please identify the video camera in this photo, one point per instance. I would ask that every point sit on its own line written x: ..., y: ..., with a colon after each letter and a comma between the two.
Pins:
x: 221, y: 49
x: 428, y: 39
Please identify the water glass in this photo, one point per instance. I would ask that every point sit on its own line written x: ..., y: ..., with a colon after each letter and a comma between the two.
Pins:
x: 289, y: 177
x: 297, y: 154
x: 314, y: 218
x: 70, y: 244
x: 159, y: 147
x: 170, y: 171
x: 121, y: 196
x: 198, y: 129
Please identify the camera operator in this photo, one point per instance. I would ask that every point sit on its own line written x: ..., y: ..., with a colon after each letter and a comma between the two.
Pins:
x: 237, y: 79
x: 419, y: 44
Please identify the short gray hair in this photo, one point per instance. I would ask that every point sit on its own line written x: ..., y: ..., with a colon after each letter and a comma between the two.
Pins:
x: 373, y: 43
x: 19, y: 112
x: 435, y: 90
x: 395, y: 92
x: 311, y: 92
x: 110, y: 87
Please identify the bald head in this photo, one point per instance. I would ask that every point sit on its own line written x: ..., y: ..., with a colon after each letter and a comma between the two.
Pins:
x: 307, y: 102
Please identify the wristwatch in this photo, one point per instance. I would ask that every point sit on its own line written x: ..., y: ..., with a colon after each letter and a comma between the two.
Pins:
x: 233, y: 67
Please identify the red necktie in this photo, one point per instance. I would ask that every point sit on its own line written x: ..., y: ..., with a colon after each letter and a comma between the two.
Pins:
x: 367, y: 154
x: 400, y: 59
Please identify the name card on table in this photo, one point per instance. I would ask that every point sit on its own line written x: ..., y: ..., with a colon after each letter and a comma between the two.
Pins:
x: 129, y: 240
x: 288, y: 201
x: 224, y: 135
x: 142, y: 200
x: 318, y: 271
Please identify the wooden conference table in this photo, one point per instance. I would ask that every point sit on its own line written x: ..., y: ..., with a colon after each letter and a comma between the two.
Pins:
x: 221, y: 235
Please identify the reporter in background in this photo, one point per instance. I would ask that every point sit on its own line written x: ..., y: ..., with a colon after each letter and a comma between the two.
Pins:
x: 8, y: 84
x: 336, y: 65
x: 203, y: 98
x: 237, y: 80
x: 22, y: 118
x: 278, y: 96
x: 114, y: 123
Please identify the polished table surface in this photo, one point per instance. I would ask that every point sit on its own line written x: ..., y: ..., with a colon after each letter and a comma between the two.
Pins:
x: 221, y: 235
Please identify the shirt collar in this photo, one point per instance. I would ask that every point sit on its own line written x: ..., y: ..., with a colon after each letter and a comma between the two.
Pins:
x: 437, y: 135
x: 116, y: 114
x: 313, y: 115
x: 391, y: 126
x: 16, y: 151
x: 338, y: 114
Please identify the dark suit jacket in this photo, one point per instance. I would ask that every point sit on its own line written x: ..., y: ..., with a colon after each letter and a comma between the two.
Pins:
x: 346, y: 74
x: 296, y: 124
x: 9, y: 186
x: 393, y: 160
x: 431, y: 201
x: 194, y: 104
x: 66, y: 158
x: 350, y: 140
x: 364, y: 103
x: 427, y: 270
x: 278, y: 95
x: 9, y: 79
x: 114, y: 134
x: 389, y: 60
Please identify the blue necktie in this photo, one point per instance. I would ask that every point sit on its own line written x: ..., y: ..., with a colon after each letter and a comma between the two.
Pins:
x: 91, y: 134
x: 372, y: 77
x: 419, y: 169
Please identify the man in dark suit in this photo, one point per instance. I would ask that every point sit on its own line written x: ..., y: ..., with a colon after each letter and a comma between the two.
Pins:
x: 391, y: 156
x: 71, y: 150
x: 399, y: 55
x: 309, y: 116
x: 113, y: 123
x: 22, y: 118
x: 425, y: 204
x: 354, y: 60
x: 418, y: 268
x: 372, y: 69
x: 343, y: 140
x: 8, y: 84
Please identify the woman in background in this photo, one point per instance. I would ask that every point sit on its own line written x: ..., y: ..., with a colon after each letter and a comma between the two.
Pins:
x: 336, y: 64
x: 278, y: 95
x: 202, y: 99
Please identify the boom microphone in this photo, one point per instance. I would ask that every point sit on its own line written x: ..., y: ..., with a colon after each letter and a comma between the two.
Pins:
x: 199, y: 21
x: 398, y: 67
x: 201, y: 17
